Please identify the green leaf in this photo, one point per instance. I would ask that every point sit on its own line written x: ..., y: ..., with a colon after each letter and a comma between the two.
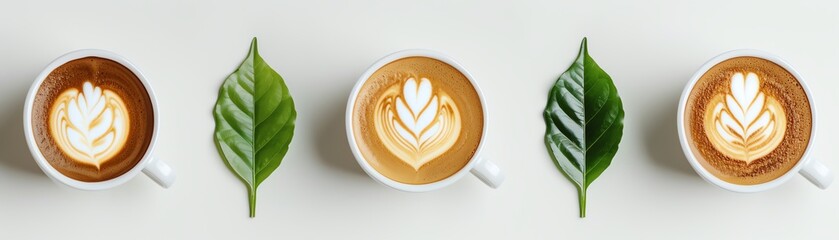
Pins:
x: 255, y: 118
x: 584, y: 118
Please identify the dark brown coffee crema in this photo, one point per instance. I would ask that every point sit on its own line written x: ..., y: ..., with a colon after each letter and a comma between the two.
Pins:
x: 107, y: 75
x: 386, y: 111
x: 779, y: 88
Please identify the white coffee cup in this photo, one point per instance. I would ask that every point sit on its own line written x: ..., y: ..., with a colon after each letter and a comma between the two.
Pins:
x: 156, y: 169
x: 810, y: 168
x: 485, y: 170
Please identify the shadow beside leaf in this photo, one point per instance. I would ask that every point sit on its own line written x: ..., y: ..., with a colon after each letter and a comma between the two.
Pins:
x: 661, y: 138
x: 333, y: 149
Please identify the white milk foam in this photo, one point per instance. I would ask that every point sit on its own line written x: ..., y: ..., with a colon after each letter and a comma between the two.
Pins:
x: 89, y: 126
x: 745, y: 124
x: 415, y: 123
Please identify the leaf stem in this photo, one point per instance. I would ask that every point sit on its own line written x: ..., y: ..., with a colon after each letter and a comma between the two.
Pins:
x: 582, y: 193
x: 252, y: 201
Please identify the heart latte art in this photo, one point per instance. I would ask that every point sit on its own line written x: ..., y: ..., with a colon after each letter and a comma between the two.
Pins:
x: 89, y: 124
x: 417, y: 123
x: 745, y: 124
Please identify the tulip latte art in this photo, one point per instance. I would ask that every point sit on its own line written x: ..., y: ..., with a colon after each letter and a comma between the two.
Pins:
x: 749, y: 120
x: 91, y: 125
x: 92, y: 119
x: 745, y: 124
x: 415, y: 124
x: 418, y: 120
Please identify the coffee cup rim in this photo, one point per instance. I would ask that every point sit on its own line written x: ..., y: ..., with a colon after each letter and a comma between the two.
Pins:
x: 689, y: 154
x: 372, y: 172
x: 53, y: 173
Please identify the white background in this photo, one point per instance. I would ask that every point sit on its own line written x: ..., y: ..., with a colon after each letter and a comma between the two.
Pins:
x: 515, y: 49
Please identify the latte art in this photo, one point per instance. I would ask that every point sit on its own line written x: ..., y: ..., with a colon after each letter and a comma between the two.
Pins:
x: 415, y: 122
x: 89, y: 126
x: 748, y: 120
x: 745, y: 124
x: 93, y: 119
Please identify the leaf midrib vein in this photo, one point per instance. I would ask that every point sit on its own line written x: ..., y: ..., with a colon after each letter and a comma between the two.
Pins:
x: 584, y: 166
x: 253, y: 58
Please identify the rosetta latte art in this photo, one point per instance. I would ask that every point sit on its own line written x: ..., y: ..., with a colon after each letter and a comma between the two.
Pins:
x: 415, y: 122
x: 89, y: 126
x: 745, y: 123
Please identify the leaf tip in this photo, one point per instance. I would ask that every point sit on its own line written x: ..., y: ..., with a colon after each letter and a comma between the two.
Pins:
x: 584, y: 45
x: 253, y: 46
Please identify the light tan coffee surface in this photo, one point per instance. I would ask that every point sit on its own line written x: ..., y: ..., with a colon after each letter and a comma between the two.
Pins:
x: 418, y: 120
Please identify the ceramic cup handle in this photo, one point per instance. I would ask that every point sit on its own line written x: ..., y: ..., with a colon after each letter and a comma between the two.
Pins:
x: 160, y: 172
x: 488, y: 172
x: 817, y: 173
